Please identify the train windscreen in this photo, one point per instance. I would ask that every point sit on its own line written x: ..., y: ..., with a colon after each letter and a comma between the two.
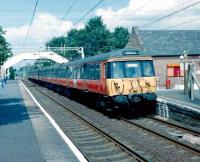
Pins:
x: 130, y: 69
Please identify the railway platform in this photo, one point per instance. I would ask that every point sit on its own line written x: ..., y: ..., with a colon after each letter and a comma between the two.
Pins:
x: 26, y: 134
x: 178, y: 99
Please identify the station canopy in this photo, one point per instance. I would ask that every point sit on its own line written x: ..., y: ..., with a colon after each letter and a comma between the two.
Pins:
x: 33, y: 56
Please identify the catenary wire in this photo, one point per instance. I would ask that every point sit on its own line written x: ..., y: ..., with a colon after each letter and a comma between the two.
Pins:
x: 142, y: 6
x: 168, y: 15
x: 69, y: 10
x: 183, y: 23
x: 171, y: 10
x: 30, y: 24
x: 94, y: 7
x: 66, y: 14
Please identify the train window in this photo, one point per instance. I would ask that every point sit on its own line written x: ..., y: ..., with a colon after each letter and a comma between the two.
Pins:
x: 66, y: 72
x: 60, y: 73
x: 73, y: 72
x: 89, y: 71
x: 53, y: 73
x: 70, y: 72
x: 133, y: 69
x: 82, y: 72
x: 90, y: 68
x: 148, y: 69
x: 97, y: 71
x: 130, y: 69
x: 78, y: 72
x: 118, y: 70
x: 108, y: 70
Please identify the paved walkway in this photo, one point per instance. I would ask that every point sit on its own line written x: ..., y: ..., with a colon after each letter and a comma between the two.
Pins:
x: 26, y: 135
x: 178, y: 97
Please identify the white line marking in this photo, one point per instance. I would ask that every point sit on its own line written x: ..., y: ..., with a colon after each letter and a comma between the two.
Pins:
x: 74, y: 149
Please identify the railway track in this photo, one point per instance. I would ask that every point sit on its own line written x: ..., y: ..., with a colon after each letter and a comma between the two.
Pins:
x: 167, y: 131
x: 94, y: 143
x: 177, y: 126
x: 102, y: 151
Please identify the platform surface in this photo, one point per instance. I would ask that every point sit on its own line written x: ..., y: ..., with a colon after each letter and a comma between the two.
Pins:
x: 178, y: 97
x: 26, y: 135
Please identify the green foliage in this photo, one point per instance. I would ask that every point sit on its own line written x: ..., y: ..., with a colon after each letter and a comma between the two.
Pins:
x: 119, y: 38
x: 12, y: 73
x: 5, y: 50
x: 94, y: 37
x: 98, y: 37
x: 56, y: 42
x: 40, y: 63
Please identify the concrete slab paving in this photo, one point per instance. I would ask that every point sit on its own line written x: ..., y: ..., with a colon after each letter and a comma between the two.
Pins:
x: 180, y: 97
x: 177, y: 99
x: 25, y: 133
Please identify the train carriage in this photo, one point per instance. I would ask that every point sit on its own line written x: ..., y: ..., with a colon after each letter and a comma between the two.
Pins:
x: 120, y: 78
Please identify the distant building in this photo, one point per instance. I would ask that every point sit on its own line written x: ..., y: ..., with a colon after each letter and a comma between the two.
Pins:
x: 166, y: 47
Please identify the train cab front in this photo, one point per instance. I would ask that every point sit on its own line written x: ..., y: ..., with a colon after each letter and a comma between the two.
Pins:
x: 131, y: 82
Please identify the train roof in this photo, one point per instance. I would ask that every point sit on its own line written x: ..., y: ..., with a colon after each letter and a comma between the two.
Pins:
x: 128, y: 52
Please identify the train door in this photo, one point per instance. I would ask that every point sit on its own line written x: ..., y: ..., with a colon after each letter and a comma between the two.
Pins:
x: 103, y: 76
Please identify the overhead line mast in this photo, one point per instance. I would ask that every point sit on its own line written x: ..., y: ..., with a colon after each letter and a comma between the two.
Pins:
x: 30, y: 24
x: 168, y: 15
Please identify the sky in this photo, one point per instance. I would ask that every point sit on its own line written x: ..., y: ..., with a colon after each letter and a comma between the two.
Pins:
x: 15, y: 16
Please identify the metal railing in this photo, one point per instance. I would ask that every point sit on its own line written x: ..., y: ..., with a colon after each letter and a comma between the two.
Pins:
x: 190, y: 81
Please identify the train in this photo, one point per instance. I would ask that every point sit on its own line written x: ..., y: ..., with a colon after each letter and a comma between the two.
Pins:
x: 119, y: 79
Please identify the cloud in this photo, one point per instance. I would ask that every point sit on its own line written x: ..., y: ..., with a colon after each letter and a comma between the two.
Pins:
x: 140, y: 12
x: 44, y: 27
x: 136, y: 13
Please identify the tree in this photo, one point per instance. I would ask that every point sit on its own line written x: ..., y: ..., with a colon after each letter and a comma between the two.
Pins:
x: 40, y: 63
x: 12, y: 73
x: 76, y: 38
x: 56, y: 42
x: 94, y: 38
x: 5, y: 50
x: 119, y: 38
x: 97, y: 36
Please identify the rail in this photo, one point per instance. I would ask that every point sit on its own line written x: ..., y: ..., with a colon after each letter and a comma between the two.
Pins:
x: 128, y: 150
x: 172, y: 140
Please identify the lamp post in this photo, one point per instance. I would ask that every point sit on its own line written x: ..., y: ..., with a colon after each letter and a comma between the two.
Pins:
x: 185, y: 71
x: 1, y: 70
x: 184, y: 60
x: 1, y: 63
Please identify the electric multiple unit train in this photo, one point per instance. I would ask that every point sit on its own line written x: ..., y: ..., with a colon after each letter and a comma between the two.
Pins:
x: 117, y: 79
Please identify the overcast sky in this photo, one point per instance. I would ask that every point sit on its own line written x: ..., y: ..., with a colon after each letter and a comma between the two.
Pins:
x: 15, y: 17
